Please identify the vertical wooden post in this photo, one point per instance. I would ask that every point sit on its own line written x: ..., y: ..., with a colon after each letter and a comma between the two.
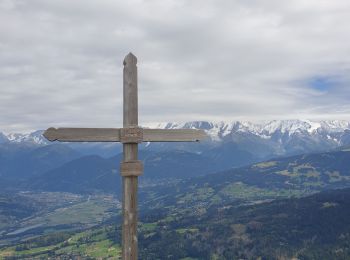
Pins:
x: 130, y: 135
x: 130, y: 150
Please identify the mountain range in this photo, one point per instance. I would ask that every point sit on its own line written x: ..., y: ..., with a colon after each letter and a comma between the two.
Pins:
x: 220, y: 197
x: 183, y: 178
x: 93, y: 173
x: 237, y: 144
x: 312, y: 227
x: 260, y: 140
x: 297, y: 175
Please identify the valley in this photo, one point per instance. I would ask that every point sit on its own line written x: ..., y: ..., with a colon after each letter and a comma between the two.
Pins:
x: 244, y: 193
x: 312, y: 227
x: 29, y: 214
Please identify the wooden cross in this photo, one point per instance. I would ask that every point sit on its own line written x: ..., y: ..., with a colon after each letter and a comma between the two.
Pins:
x: 130, y: 135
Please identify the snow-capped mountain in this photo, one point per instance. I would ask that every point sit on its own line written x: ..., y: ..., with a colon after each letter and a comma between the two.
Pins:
x: 261, y: 140
x: 217, y: 131
x: 228, y: 145
x: 34, y: 138
x: 264, y: 129
x: 267, y: 139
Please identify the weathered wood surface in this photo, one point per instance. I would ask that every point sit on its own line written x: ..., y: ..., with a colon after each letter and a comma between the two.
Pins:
x: 130, y: 183
x: 173, y: 135
x: 83, y: 134
x: 130, y: 135
x: 130, y: 215
x: 130, y: 168
x: 130, y: 108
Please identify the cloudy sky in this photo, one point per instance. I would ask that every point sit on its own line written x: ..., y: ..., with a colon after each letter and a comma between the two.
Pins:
x: 61, y: 60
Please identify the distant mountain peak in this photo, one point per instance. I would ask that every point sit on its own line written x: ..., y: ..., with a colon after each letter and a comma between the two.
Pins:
x: 327, y: 130
x: 263, y: 129
x: 35, y: 137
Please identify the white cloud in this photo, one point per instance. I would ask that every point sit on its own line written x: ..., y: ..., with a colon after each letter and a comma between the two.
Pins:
x: 61, y: 61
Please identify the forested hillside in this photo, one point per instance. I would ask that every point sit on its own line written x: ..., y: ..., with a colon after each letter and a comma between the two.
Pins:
x: 314, y: 227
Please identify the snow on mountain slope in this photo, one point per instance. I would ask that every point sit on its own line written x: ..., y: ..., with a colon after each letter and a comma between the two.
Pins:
x: 34, y: 137
x: 217, y: 131
x: 264, y: 129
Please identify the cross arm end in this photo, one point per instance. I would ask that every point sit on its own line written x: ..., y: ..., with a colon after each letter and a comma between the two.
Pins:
x: 50, y: 134
x: 82, y: 134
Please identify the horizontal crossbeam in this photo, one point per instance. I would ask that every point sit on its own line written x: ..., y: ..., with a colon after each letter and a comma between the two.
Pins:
x: 118, y: 135
x: 83, y: 134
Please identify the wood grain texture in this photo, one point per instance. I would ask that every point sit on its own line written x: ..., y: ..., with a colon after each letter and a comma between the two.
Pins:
x: 131, y: 135
x: 173, y: 135
x: 131, y: 168
x: 130, y: 217
x: 130, y: 165
x: 130, y: 108
x: 130, y: 150
x: 83, y: 134
x: 136, y: 135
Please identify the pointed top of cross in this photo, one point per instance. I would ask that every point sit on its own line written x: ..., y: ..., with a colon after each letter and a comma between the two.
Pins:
x: 130, y: 59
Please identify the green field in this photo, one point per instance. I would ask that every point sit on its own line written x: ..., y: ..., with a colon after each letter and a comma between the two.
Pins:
x: 79, y: 214
x: 96, y: 244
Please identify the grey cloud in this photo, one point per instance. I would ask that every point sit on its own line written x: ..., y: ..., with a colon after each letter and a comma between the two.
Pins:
x: 61, y: 61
